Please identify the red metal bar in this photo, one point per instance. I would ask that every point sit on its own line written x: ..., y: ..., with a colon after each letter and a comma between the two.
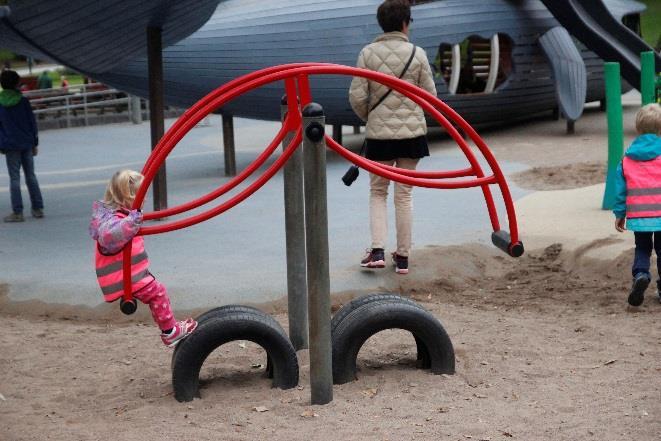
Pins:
x: 207, y: 98
x: 228, y: 186
x: 301, y: 71
x: 304, y: 89
x: 405, y: 88
x: 377, y: 169
x: 126, y: 270
x: 240, y: 197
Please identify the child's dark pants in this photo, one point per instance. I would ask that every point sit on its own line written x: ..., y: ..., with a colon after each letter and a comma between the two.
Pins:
x: 645, y: 242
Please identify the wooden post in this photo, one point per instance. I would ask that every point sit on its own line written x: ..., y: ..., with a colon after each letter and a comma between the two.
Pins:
x: 228, y: 145
x: 337, y: 133
x: 316, y: 240
x: 297, y: 288
x: 156, y: 110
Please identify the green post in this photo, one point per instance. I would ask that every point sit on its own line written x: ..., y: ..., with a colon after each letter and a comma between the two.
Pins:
x: 615, y: 129
x: 647, y: 80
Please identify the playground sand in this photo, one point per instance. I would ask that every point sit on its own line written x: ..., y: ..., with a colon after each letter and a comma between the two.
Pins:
x: 546, y: 347
x: 546, y: 350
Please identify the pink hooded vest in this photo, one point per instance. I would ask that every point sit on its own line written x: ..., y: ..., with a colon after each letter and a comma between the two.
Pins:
x: 643, y: 187
x: 110, y: 274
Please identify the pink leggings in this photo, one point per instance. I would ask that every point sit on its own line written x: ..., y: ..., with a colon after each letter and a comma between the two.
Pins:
x: 156, y: 296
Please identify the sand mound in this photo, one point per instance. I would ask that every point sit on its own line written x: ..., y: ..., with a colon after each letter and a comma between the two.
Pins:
x: 541, y: 280
x: 562, y: 177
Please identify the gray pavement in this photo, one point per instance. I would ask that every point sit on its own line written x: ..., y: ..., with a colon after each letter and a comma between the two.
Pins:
x: 236, y: 257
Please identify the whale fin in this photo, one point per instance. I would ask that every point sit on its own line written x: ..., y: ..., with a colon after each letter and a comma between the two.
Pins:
x: 569, y: 71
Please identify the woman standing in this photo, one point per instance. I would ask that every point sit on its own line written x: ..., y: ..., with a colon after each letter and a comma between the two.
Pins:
x: 396, y: 126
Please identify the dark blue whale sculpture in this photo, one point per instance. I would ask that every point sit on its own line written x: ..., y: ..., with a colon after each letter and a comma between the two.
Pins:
x: 494, y: 60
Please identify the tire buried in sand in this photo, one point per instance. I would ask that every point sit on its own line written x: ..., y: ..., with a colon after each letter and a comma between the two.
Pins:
x: 423, y: 361
x: 223, y: 328
x: 365, y: 321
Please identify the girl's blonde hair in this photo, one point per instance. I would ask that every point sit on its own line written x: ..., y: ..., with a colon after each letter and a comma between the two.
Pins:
x: 122, y: 188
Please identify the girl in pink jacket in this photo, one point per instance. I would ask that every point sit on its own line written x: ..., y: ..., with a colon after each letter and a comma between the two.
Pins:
x: 113, y: 225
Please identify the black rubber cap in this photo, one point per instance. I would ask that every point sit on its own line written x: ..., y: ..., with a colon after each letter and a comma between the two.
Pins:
x: 284, y: 100
x: 315, y: 131
x: 516, y: 249
x: 129, y: 307
x: 313, y: 110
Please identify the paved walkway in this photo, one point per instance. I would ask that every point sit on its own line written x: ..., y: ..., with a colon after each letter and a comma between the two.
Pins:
x: 236, y: 257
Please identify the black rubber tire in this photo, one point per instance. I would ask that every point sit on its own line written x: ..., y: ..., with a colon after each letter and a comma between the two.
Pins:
x: 235, y: 308
x: 216, y: 331
x: 362, y: 323
x: 268, y: 373
x: 423, y: 360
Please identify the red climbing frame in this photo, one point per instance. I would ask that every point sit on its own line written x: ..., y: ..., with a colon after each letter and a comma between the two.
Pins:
x: 297, y: 88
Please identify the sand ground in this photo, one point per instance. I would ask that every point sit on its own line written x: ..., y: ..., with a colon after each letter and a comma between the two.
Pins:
x: 546, y: 347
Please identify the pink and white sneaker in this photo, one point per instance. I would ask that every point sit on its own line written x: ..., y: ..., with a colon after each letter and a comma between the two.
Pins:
x: 180, y: 331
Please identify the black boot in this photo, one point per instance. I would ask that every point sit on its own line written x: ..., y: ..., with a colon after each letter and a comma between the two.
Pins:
x: 640, y: 284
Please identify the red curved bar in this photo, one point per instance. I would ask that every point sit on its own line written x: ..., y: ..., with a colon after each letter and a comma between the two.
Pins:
x: 240, y: 197
x: 228, y: 186
x: 425, y: 174
x: 223, y: 95
x: 301, y: 71
x: 205, y: 100
x: 375, y: 167
x: 403, y: 87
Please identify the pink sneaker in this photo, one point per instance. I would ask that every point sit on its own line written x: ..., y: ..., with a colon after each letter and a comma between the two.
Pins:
x: 180, y: 331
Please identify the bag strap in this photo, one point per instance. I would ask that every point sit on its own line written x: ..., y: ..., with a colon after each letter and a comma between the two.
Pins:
x: 406, y: 67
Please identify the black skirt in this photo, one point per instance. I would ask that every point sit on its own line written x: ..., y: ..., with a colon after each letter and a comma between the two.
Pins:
x: 389, y: 149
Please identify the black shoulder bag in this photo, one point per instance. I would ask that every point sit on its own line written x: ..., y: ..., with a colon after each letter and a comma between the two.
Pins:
x: 352, y: 174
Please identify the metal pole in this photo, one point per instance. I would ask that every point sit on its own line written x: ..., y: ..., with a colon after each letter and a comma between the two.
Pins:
x: 85, y: 104
x: 337, y: 133
x: 228, y: 145
x: 297, y: 288
x: 356, y: 130
x: 647, y: 74
x: 66, y: 104
x: 135, y: 109
x: 615, y: 130
x: 316, y: 240
x: 156, y: 110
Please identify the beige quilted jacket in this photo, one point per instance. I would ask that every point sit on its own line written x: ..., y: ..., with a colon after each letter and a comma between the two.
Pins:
x: 397, y: 117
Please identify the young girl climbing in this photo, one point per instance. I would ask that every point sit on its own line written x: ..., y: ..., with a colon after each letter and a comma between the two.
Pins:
x: 113, y: 225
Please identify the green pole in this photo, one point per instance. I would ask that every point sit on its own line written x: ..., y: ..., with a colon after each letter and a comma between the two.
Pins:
x: 615, y: 129
x: 647, y: 80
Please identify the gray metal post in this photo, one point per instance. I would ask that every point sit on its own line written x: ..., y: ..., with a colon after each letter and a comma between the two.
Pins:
x: 297, y: 288
x: 135, y: 109
x: 316, y: 240
x: 228, y: 145
x: 157, y: 110
x: 67, y: 104
x: 337, y: 133
x: 85, y: 105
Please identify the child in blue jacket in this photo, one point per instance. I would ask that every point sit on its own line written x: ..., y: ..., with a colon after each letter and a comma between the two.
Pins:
x: 638, y: 199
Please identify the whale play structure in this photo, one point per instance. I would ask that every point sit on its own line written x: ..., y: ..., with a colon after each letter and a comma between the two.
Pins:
x: 494, y: 60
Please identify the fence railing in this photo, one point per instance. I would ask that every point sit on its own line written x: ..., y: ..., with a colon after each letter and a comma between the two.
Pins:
x: 92, y: 98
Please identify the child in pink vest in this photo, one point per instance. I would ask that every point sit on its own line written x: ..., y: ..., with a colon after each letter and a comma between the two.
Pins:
x: 112, y: 226
x: 638, y: 200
